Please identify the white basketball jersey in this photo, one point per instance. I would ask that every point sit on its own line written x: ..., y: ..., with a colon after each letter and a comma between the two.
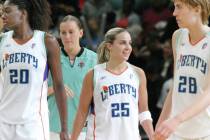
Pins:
x: 114, y: 112
x: 192, y: 68
x: 24, y: 75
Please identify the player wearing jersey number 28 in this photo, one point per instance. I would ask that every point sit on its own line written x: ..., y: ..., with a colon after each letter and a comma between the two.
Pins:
x: 185, y: 114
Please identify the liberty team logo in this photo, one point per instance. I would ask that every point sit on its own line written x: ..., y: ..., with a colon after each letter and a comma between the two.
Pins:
x: 204, y: 46
x: 6, y: 56
x: 81, y: 64
x: 33, y: 45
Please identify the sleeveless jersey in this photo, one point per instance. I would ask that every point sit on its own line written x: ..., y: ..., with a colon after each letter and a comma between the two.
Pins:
x: 190, y: 79
x: 114, y: 112
x: 24, y: 75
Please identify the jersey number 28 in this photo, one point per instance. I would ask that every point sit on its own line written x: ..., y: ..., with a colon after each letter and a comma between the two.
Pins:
x: 187, y: 84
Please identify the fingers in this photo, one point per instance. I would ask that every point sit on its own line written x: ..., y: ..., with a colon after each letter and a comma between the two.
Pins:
x: 69, y: 92
x: 163, y: 131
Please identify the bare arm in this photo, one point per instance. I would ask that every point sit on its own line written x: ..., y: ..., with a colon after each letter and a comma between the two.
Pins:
x: 85, y: 100
x: 166, y: 109
x: 143, y: 104
x: 53, y: 57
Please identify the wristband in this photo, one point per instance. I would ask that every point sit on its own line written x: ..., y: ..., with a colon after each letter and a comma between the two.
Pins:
x: 146, y: 115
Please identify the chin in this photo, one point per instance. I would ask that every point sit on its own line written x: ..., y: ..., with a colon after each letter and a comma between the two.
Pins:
x: 126, y: 58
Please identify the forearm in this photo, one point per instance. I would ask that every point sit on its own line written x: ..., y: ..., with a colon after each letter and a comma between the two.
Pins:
x: 62, y: 107
x: 166, y: 109
x: 78, y: 123
x: 200, y: 105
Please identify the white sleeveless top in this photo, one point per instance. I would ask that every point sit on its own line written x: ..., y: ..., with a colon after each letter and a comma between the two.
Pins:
x: 192, y: 68
x: 114, y: 110
x: 24, y: 76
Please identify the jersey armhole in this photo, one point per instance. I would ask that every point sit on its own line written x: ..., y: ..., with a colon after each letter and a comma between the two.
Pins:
x: 178, y: 39
x: 136, y: 72
x: 44, y: 43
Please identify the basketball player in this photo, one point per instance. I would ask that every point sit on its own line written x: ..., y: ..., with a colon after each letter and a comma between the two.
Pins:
x: 75, y: 62
x: 186, y: 113
x: 116, y: 92
x: 25, y: 54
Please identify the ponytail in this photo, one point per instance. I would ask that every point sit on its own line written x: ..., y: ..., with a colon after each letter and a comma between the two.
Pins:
x: 103, y: 53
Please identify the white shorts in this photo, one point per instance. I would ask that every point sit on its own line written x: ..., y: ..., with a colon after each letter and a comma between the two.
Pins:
x: 175, y: 137
x: 56, y: 136
x: 28, y: 131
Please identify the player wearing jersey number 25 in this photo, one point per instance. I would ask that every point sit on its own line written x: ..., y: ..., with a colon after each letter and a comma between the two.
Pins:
x: 115, y: 91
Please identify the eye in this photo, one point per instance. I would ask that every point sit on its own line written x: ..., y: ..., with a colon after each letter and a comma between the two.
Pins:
x: 71, y: 32
x: 63, y: 33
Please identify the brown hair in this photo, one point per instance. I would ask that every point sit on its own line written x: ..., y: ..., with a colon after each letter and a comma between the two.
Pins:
x: 72, y: 18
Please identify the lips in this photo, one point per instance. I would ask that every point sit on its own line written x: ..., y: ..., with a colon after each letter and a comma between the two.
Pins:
x: 4, y: 21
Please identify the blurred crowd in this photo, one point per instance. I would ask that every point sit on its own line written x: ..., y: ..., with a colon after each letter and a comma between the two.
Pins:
x: 151, y: 24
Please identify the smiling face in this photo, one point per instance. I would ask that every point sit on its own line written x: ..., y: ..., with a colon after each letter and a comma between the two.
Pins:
x: 186, y: 15
x: 70, y: 33
x: 120, y: 48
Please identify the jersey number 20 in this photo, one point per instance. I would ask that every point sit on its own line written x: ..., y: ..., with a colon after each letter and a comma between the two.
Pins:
x: 19, y: 76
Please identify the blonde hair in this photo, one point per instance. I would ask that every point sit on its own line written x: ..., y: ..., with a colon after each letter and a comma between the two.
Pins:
x: 205, y: 7
x: 103, y: 51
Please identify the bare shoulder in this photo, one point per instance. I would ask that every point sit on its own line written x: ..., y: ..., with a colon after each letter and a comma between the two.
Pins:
x: 90, y: 73
x: 50, y: 38
x: 51, y: 42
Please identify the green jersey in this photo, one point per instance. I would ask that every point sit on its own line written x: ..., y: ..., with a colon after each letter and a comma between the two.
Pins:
x: 73, y: 75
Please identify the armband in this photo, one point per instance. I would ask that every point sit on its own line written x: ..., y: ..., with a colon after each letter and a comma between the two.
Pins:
x: 146, y: 115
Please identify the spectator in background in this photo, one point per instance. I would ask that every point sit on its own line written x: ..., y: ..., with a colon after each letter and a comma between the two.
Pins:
x: 94, y: 15
x: 126, y: 17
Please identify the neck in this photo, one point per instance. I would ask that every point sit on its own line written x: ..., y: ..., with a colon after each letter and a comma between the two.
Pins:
x: 196, y: 34
x: 116, y: 67
x: 72, y: 51
x: 23, y: 32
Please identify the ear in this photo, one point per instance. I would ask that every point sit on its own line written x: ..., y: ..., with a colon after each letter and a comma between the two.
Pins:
x: 24, y: 14
x: 81, y: 33
x: 198, y: 9
x: 109, y: 46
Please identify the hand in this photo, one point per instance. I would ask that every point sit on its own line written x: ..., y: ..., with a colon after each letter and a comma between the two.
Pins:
x: 69, y: 91
x: 165, y: 129
x: 64, y: 135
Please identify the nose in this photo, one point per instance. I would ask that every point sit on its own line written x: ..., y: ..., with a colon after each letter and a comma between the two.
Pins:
x: 128, y: 47
x: 175, y: 12
x: 3, y: 15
